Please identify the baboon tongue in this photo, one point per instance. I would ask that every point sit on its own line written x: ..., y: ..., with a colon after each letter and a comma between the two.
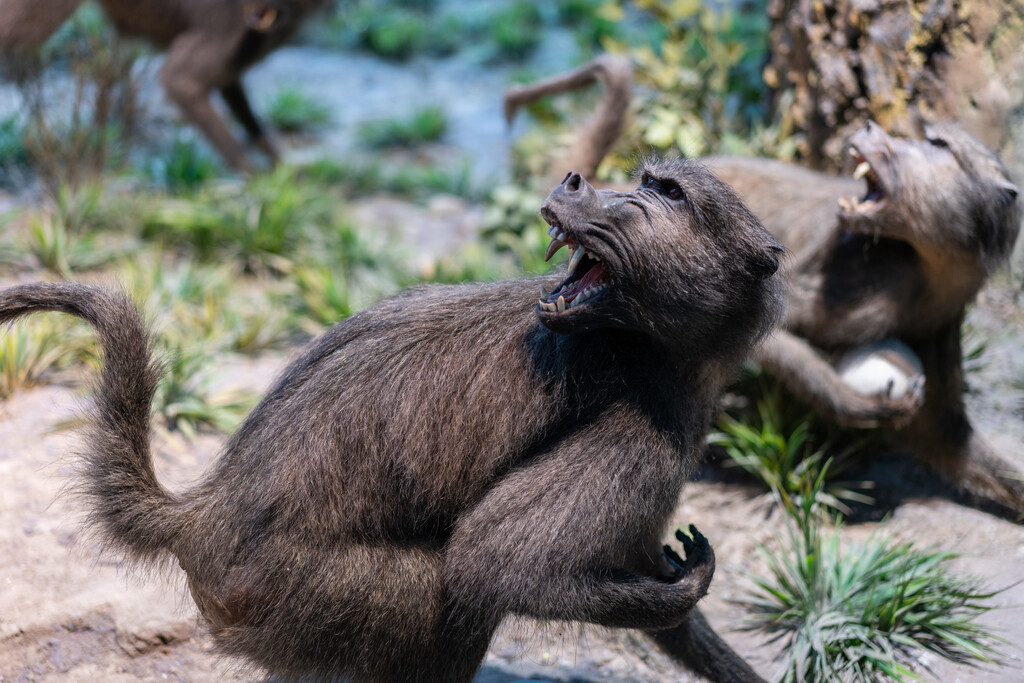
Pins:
x: 571, y: 288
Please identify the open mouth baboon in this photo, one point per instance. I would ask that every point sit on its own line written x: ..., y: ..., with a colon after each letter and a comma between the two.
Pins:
x: 456, y: 454
x: 912, y: 238
x: 897, y: 251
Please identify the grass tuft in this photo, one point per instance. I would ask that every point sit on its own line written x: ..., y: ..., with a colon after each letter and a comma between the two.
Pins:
x: 292, y: 111
x: 866, y: 612
x: 422, y: 126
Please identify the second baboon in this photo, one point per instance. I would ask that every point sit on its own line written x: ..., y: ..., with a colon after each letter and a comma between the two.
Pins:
x: 937, y: 217
x: 209, y: 44
x: 456, y: 454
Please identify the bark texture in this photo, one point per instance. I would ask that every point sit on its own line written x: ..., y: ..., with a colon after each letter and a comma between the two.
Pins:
x: 894, y: 61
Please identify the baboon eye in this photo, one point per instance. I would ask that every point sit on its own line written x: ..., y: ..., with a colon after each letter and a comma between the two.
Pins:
x: 938, y: 142
x: 674, y: 192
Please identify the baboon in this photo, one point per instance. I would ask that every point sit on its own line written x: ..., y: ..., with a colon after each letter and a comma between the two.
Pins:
x: 209, y: 44
x: 938, y: 216
x: 459, y: 453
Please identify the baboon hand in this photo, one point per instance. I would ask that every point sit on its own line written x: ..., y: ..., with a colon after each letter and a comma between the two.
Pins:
x: 700, y: 559
x: 897, y: 411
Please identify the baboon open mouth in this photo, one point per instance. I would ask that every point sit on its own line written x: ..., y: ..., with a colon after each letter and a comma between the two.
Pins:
x: 585, y: 278
x: 875, y: 193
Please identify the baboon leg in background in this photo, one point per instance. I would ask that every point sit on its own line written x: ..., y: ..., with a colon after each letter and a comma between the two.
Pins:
x: 941, y: 434
x: 189, y: 75
x: 695, y: 644
x: 27, y: 23
x: 804, y: 372
x: 237, y: 101
x: 594, y: 141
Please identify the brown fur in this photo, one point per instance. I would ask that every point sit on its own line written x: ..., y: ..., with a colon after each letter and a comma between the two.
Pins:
x: 907, y: 270
x: 458, y: 453
x: 209, y: 44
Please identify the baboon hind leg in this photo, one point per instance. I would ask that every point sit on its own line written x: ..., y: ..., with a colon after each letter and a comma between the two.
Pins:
x: 194, y: 66
x: 695, y: 644
x: 941, y: 435
x: 237, y: 101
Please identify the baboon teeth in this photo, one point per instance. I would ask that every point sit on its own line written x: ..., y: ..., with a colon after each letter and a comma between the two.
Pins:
x: 547, y: 306
x: 577, y: 256
x: 544, y: 294
x: 561, y: 304
x: 586, y: 294
x: 555, y: 245
x: 863, y: 168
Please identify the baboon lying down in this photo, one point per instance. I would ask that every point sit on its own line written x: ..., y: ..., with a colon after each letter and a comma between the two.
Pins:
x: 937, y: 217
x: 209, y: 44
x: 458, y: 453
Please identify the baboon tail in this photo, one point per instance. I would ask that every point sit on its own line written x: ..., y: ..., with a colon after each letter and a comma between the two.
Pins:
x: 126, y: 503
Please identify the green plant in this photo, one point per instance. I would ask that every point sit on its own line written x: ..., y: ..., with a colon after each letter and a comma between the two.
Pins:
x: 513, y: 30
x: 865, y: 612
x: 183, y: 168
x: 213, y: 305
x: 184, y: 400
x: 354, y: 272
x: 293, y: 111
x: 513, y: 224
x: 29, y: 349
x: 424, y: 125
x: 785, y: 459
x: 63, y: 239
x: 13, y: 152
x: 702, y: 74
x: 270, y: 217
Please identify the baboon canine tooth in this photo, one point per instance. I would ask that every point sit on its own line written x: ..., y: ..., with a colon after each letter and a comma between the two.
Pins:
x: 561, y: 304
x: 577, y: 256
x: 544, y: 294
x: 863, y: 168
x: 555, y: 245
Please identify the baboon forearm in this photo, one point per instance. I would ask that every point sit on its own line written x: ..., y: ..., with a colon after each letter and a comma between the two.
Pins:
x: 618, y: 599
x: 811, y: 378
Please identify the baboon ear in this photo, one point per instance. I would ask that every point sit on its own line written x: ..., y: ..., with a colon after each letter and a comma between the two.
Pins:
x: 259, y: 16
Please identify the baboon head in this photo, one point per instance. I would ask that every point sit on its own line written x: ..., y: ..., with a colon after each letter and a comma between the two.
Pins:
x: 946, y: 191
x: 680, y: 258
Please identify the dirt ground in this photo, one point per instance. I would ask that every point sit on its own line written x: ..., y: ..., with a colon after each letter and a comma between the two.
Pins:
x: 70, y: 613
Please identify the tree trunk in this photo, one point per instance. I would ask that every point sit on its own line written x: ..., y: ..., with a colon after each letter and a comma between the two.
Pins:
x: 897, y: 62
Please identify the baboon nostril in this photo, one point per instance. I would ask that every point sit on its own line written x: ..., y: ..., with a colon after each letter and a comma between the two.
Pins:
x: 573, y: 181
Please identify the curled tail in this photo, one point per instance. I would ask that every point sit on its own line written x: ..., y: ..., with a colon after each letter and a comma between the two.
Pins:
x: 135, y: 514
x: 596, y: 138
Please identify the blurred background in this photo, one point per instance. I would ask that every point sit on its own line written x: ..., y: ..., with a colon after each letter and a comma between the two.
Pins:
x: 398, y: 168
